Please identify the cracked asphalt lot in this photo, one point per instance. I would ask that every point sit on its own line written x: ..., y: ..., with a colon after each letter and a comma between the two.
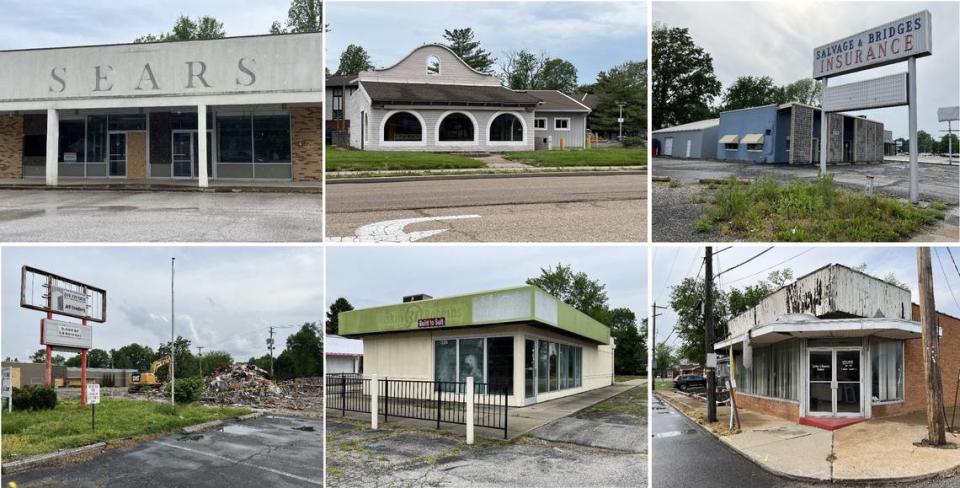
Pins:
x: 273, y: 451
x: 603, y: 208
x: 395, y: 456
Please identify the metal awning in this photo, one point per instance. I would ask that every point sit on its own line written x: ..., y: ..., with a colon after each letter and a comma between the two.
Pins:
x: 729, y: 139
x: 800, y: 326
x: 753, y: 139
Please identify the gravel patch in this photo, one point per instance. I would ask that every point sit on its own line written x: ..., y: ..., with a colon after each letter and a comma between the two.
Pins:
x: 675, y: 212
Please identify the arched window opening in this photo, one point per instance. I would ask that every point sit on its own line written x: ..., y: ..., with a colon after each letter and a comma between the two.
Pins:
x: 433, y: 66
x: 402, y: 127
x: 456, y: 127
x: 506, y: 128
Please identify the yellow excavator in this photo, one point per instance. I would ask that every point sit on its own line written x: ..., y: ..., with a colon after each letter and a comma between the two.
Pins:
x: 138, y: 381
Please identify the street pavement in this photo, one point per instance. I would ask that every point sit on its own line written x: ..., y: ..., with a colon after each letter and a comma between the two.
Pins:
x: 268, y: 451
x: 604, y: 208
x: 120, y: 216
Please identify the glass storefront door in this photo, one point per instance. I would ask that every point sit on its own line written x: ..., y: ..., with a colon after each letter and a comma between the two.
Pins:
x: 835, y: 382
x: 118, y: 155
x: 185, y: 154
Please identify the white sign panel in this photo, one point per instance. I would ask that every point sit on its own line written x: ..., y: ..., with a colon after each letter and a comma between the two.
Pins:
x: 711, y: 360
x: 66, y: 334
x: 93, y: 393
x: 68, y: 301
x: 886, y: 91
x: 7, y: 383
x: 884, y: 44
x: 948, y: 114
x: 253, y: 64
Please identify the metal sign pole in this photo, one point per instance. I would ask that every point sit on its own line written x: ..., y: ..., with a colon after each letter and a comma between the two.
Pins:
x: 823, y: 133
x: 912, y: 99
x: 172, y: 339
x: 93, y: 418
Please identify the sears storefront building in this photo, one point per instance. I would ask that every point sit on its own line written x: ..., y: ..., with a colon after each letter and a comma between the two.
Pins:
x: 135, y: 111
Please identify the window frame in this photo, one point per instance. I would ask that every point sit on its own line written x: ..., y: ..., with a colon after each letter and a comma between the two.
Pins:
x: 383, y: 126
x: 523, y: 127
x: 539, y: 119
x: 561, y: 129
x: 468, y: 115
x: 736, y: 146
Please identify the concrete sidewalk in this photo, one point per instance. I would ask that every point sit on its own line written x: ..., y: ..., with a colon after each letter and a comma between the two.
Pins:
x: 163, y: 184
x: 525, y: 419
x: 862, y: 452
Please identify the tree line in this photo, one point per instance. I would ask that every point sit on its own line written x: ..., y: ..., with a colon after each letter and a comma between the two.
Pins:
x: 524, y: 69
x: 581, y: 292
x: 302, y: 357
x: 303, y: 16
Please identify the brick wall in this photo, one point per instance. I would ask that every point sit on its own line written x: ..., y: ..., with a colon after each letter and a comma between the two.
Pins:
x: 777, y: 408
x: 11, y: 146
x: 307, y: 143
x: 801, y: 133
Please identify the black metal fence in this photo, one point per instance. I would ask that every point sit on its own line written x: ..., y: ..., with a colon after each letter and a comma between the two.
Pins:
x: 437, y: 401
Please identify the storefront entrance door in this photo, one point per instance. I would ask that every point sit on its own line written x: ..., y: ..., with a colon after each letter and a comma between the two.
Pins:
x: 118, y: 155
x: 185, y: 150
x: 835, y: 382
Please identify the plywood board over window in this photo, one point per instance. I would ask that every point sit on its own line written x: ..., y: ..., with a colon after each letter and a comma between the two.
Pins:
x: 137, y: 155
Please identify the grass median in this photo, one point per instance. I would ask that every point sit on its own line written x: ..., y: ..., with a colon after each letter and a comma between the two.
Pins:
x: 353, y: 160
x: 631, y: 402
x: 67, y: 426
x: 766, y: 211
x: 582, y: 157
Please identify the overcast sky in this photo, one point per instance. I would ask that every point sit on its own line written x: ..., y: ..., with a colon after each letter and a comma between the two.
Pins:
x: 594, y: 36
x: 672, y: 264
x: 226, y: 297
x: 372, y: 276
x: 53, y: 23
x: 781, y: 37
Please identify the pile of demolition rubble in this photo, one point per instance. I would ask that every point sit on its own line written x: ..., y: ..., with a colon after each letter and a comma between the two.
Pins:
x: 246, y: 385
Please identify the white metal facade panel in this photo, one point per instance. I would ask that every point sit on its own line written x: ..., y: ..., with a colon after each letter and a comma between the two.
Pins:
x: 546, y: 307
x: 886, y: 91
x: 502, y: 306
x: 888, y: 43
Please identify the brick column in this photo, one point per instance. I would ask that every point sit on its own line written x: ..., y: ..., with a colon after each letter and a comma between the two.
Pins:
x: 307, y: 150
x: 11, y: 146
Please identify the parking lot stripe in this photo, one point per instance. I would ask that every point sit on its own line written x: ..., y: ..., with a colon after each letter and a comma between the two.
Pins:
x: 264, y: 468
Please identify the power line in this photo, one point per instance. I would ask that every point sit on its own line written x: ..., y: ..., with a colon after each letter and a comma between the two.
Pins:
x: 669, y: 273
x: 771, y: 267
x: 944, y: 271
x: 954, y: 261
x: 755, y: 256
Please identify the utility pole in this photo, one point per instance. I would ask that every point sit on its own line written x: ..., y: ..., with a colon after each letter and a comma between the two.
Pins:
x: 200, y: 354
x: 653, y: 359
x: 270, y: 347
x: 929, y: 330
x: 708, y: 336
x: 172, y: 328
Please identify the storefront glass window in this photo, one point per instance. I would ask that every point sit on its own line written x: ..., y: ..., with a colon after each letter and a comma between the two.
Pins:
x: 71, y: 141
x: 96, y: 138
x: 445, y: 360
x: 471, y: 360
x: 578, y: 367
x: 506, y: 127
x: 500, y: 365
x: 564, y: 362
x: 774, y: 373
x: 128, y: 122
x: 271, y: 138
x: 554, y: 370
x: 235, y: 139
x: 543, y: 368
x: 886, y: 361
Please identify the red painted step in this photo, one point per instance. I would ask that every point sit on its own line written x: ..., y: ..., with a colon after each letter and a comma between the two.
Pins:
x: 829, y: 423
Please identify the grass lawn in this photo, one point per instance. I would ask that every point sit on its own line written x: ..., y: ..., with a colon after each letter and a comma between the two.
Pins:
x: 68, y: 425
x: 805, y: 212
x: 623, y: 378
x: 664, y: 384
x: 632, y: 401
x: 352, y: 160
x: 582, y: 157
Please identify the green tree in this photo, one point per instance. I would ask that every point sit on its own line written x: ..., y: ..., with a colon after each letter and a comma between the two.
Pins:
x: 945, y: 144
x: 213, y: 360
x: 624, y: 84
x: 686, y: 300
x: 303, y: 355
x: 96, y: 358
x: 353, y: 60
x: 631, y: 354
x: 39, y: 357
x: 575, y: 289
x: 663, y: 357
x: 332, y: 326
x: 740, y: 301
x: 924, y: 142
x: 556, y: 74
x: 750, y: 91
x: 806, y: 90
x: 185, y: 363
x: 133, y: 356
x: 519, y: 69
x: 684, y: 84
x: 185, y: 29
x: 462, y: 43
x: 303, y: 16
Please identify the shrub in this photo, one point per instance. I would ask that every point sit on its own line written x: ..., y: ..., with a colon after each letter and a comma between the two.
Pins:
x: 188, y: 390
x: 632, y: 141
x: 34, y: 397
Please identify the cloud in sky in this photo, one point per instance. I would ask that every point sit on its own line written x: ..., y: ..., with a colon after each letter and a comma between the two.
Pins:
x: 226, y: 297
x: 372, y: 276
x: 781, y: 37
x: 673, y: 263
x: 594, y: 36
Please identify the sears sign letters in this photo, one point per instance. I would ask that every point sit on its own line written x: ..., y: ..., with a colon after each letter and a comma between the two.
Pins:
x: 891, y: 42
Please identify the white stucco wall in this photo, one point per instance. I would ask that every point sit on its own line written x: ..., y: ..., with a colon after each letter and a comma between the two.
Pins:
x: 573, y: 138
x: 431, y: 119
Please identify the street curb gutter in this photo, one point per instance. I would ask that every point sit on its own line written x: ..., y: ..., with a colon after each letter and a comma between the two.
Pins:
x: 946, y: 473
x: 161, y: 188
x: 393, y: 179
x: 41, y: 459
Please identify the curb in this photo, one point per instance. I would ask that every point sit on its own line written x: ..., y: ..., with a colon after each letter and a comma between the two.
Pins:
x: 946, y: 473
x: 41, y: 459
x: 172, y: 189
x: 392, y: 179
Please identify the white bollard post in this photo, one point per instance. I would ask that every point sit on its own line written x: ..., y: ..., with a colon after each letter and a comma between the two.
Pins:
x: 374, y: 401
x: 470, y: 410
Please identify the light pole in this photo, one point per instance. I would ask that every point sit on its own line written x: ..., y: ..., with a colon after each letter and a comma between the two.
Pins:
x: 172, y: 328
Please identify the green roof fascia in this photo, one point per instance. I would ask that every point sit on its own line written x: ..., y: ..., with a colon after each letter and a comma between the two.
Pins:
x: 458, y: 312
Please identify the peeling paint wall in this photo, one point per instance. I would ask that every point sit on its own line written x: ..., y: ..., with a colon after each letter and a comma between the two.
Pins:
x: 833, y: 291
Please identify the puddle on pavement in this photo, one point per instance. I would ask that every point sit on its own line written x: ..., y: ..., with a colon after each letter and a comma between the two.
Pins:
x: 96, y: 208
x: 238, y: 429
x: 305, y: 428
x: 191, y: 437
x: 8, y: 215
x: 675, y: 433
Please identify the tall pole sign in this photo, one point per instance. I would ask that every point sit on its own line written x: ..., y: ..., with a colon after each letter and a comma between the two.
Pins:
x: 58, y: 295
x: 904, y: 39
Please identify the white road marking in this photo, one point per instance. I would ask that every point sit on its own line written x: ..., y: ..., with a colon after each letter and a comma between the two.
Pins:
x: 392, y: 230
x: 264, y: 468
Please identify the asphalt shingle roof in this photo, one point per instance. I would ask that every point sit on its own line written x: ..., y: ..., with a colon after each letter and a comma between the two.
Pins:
x: 436, y: 94
x: 555, y: 100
